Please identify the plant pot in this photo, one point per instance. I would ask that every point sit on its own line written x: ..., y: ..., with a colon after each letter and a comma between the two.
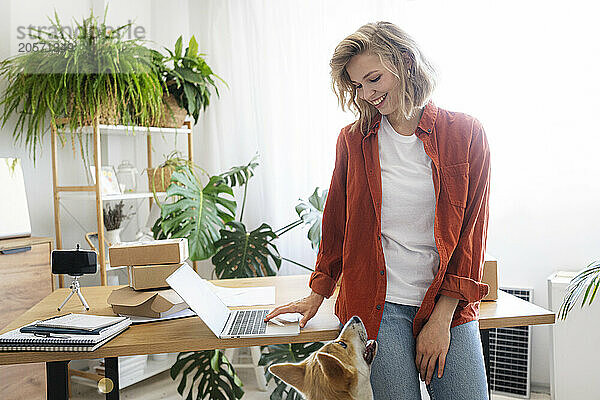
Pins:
x: 159, y: 179
x: 113, y: 236
x: 173, y: 115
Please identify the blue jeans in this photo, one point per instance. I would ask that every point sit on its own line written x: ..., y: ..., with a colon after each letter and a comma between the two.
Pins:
x: 394, y: 375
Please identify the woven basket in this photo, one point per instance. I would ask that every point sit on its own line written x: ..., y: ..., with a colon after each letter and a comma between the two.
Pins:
x: 160, y: 180
x: 173, y: 115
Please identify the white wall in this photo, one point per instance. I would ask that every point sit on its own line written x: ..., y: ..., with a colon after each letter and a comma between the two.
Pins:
x: 527, y: 70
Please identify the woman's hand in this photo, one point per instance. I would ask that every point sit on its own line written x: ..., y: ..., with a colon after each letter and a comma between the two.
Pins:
x: 307, y: 306
x: 433, y: 341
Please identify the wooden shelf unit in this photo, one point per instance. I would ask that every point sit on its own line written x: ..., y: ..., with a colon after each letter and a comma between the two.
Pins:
x: 97, y: 130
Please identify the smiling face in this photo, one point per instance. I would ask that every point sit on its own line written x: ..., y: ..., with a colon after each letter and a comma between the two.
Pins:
x: 374, y: 83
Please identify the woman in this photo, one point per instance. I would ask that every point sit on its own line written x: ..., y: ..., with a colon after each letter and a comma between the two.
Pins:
x: 405, y: 221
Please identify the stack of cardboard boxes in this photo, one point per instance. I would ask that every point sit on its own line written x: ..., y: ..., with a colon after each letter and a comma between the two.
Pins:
x: 149, y: 264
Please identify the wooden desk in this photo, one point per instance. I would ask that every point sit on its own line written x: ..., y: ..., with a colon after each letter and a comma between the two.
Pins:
x: 191, y: 334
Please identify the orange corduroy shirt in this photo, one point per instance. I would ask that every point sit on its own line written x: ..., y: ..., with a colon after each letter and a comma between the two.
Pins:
x: 351, y: 238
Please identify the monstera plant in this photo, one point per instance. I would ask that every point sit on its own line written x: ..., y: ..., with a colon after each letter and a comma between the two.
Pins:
x: 199, y: 212
x: 213, y: 375
x: 206, y: 215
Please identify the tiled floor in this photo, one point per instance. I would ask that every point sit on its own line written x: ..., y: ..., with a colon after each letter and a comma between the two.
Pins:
x: 162, y: 387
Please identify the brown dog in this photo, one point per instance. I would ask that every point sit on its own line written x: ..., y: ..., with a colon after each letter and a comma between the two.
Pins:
x: 340, y: 370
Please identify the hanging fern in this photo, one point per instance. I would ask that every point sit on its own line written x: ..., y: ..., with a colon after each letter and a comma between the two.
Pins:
x: 81, y: 74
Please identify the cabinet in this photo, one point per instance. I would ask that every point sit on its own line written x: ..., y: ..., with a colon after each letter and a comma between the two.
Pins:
x: 97, y: 130
x: 25, y: 279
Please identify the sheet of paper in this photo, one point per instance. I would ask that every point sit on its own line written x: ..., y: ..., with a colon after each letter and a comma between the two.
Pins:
x: 289, y: 317
x: 180, y: 314
x: 250, y: 296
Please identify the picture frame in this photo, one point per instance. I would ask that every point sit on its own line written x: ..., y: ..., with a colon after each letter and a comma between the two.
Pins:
x: 109, y: 184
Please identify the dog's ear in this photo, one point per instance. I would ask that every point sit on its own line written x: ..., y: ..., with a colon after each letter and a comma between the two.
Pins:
x: 292, y: 374
x: 337, y: 373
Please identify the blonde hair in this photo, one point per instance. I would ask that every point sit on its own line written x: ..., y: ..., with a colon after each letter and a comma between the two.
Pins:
x: 399, y: 54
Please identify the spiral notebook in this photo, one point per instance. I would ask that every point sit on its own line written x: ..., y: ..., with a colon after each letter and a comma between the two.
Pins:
x: 16, y: 340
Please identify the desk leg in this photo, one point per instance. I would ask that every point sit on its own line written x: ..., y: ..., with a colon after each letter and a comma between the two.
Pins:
x: 57, y: 380
x: 485, y: 343
x: 111, y: 371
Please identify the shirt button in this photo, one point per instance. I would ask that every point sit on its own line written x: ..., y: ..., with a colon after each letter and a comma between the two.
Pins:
x: 382, y: 272
x: 429, y: 130
x: 378, y: 237
x: 378, y: 306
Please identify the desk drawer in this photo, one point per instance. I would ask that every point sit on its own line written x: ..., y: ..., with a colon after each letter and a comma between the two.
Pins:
x: 25, y: 279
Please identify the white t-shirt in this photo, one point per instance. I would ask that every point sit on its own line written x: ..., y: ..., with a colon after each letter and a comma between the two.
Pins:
x: 407, y: 215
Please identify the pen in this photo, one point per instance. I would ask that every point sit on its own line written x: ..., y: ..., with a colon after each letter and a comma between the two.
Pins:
x: 51, y: 335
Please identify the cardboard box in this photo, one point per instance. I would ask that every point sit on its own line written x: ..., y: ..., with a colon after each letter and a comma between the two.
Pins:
x: 150, y: 276
x: 154, y: 304
x: 490, y: 276
x: 156, y: 252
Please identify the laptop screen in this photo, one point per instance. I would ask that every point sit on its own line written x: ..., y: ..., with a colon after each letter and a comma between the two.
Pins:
x: 14, y: 213
x: 197, y: 294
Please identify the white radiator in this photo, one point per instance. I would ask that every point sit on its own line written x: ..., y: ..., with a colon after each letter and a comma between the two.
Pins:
x: 575, y: 345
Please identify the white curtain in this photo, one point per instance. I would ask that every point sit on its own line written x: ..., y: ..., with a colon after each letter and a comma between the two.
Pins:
x: 527, y: 70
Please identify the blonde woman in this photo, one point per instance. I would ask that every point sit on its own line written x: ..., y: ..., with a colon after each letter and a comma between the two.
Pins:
x: 405, y: 221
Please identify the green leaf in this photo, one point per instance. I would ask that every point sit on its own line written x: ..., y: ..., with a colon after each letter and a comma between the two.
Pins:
x: 192, y: 49
x: 239, y: 176
x: 199, y: 213
x: 191, y: 76
x: 189, y: 89
x: 178, y: 47
x: 214, y: 376
x: 311, y: 213
x: 243, y: 254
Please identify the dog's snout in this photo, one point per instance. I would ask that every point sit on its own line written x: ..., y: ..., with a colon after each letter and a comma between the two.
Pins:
x: 356, y: 319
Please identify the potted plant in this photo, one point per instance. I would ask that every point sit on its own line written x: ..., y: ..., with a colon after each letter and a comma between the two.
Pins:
x: 188, y: 79
x: 159, y: 178
x: 113, y: 219
x: 80, y: 75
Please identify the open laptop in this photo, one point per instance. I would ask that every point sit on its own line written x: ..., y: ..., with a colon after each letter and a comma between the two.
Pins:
x: 222, y: 321
x: 14, y: 213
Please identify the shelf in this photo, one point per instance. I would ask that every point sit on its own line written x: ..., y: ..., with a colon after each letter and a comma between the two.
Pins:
x: 119, y: 129
x: 152, y: 367
x: 130, y: 196
x: 112, y: 197
x: 89, y: 191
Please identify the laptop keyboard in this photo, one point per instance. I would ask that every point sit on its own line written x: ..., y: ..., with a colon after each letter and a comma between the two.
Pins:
x: 249, y: 322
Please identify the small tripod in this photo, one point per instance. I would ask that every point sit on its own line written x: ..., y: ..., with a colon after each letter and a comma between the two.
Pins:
x: 75, y: 288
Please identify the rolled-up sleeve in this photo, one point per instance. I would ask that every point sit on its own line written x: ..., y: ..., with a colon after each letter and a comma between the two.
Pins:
x: 329, y: 258
x: 462, y: 279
